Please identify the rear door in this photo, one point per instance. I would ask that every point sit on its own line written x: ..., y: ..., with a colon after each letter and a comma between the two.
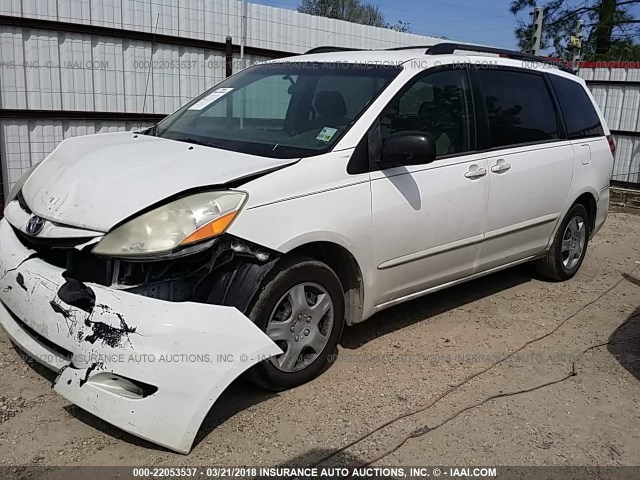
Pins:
x: 530, y: 163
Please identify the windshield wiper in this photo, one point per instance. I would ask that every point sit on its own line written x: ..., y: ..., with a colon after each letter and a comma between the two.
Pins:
x: 151, y: 131
x: 195, y: 142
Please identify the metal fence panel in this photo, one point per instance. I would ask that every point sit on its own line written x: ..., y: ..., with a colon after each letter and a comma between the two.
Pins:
x: 79, y: 72
x: 53, y: 69
x: 268, y: 27
x: 616, y: 88
x: 627, y: 159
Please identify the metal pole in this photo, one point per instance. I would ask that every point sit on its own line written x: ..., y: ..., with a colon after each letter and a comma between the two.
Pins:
x: 243, y: 42
x: 576, y: 45
x: 4, y: 188
x: 228, y: 56
x: 243, y: 32
x: 536, y: 33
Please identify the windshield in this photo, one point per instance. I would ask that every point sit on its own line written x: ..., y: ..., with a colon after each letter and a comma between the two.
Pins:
x: 280, y: 110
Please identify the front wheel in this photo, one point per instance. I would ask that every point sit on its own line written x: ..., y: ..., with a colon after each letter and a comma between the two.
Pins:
x: 301, y: 308
x: 564, y: 258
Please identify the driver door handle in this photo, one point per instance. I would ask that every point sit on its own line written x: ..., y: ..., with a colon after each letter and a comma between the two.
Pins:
x: 475, y: 172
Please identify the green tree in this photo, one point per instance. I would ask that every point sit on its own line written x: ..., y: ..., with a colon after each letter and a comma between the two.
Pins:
x: 400, y: 26
x: 611, y: 30
x: 350, y: 10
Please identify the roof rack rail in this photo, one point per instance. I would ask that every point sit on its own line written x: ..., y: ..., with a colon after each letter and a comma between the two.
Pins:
x: 448, y: 48
x: 329, y: 49
x: 409, y: 47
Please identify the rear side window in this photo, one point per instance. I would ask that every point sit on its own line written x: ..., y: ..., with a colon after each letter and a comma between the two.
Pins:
x: 579, y: 112
x: 519, y: 108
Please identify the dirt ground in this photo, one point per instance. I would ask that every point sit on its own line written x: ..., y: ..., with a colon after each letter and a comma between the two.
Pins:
x: 401, y: 360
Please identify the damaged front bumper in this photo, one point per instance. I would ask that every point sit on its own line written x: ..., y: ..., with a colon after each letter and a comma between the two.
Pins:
x: 150, y: 367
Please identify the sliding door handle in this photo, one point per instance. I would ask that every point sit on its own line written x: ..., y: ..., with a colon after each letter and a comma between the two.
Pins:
x: 501, y: 167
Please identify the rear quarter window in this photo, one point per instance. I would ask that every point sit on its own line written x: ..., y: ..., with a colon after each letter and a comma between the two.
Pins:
x: 579, y: 113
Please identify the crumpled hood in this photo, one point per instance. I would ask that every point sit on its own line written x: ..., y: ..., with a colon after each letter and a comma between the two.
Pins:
x: 97, y: 181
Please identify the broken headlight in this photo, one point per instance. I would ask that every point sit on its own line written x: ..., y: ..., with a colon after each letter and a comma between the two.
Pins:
x: 181, y: 223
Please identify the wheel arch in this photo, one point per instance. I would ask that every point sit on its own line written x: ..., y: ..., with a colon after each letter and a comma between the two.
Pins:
x: 345, y: 266
x: 587, y: 197
x: 588, y: 200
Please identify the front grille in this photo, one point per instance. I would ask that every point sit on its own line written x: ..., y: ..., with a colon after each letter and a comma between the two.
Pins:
x: 62, y: 253
x: 172, y: 279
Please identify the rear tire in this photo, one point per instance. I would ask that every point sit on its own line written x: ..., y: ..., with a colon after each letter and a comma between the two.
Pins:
x: 569, y: 247
x: 283, y: 308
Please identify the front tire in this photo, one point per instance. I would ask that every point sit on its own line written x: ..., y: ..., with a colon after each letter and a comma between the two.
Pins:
x: 300, y: 306
x: 564, y: 258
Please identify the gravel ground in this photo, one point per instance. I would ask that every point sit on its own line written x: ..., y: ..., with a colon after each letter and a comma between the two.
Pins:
x: 402, y: 360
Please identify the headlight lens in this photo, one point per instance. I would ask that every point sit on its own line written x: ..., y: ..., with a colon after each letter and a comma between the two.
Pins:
x: 180, y: 223
x: 13, y: 193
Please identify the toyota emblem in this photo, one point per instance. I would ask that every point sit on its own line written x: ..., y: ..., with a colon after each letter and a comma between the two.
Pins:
x: 35, y: 225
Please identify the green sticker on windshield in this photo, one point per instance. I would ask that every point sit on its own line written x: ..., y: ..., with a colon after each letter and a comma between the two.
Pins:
x: 326, y: 134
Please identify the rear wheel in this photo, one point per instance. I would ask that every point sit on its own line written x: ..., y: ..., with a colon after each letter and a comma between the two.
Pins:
x: 301, y: 308
x: 564, y: 258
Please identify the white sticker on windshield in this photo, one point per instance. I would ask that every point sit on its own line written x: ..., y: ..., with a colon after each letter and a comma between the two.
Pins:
x: 212, y: 97
x: 326, y: 134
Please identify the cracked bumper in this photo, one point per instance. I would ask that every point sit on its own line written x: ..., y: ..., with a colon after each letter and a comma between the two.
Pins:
x: 150, y: 367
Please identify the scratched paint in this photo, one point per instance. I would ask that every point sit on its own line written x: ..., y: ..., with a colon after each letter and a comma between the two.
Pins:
x: 65, y: 312
x: 20, y: 282
x: 107, y: 334
x: 88, y: 372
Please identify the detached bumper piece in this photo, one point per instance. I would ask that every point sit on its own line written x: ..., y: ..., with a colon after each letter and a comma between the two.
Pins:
x: 150, y: 367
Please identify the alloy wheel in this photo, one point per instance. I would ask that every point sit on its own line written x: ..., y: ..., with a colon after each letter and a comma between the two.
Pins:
x: 573, y: 242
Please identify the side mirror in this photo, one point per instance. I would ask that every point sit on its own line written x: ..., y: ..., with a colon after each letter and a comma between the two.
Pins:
x: 409, y: 148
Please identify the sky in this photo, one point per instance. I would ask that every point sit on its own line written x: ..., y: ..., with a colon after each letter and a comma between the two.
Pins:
x: 487, y: 22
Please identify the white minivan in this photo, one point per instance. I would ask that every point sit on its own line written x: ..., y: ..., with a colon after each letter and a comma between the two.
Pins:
x: 243, y: 232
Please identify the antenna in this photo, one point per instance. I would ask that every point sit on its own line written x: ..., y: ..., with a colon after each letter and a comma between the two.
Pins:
x: 146, y: 87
